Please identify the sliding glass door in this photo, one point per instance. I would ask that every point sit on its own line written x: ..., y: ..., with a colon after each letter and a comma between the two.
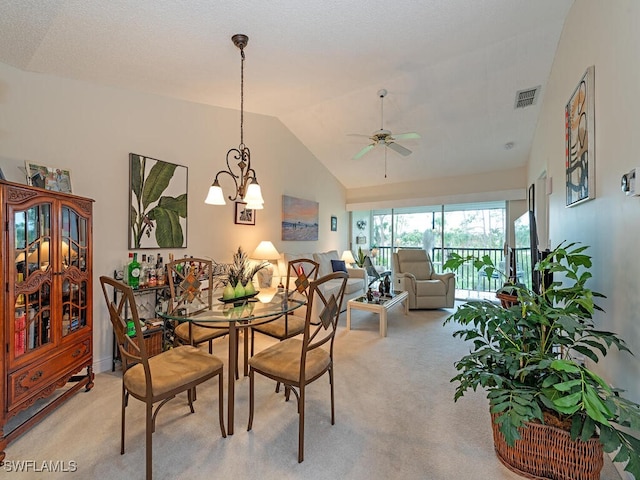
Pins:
x: 467, y: 229
x: 476, y: 229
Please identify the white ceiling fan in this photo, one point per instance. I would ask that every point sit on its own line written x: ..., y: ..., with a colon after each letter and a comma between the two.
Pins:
x: 385, y: 137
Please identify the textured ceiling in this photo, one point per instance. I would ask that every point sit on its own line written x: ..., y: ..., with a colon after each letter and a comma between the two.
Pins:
x: 452, y: 69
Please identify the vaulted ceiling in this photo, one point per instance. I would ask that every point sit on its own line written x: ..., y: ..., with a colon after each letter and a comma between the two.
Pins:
x: 451, y: 68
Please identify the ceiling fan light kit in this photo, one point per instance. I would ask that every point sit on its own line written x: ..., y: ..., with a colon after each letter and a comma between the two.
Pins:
x: 386, y: 137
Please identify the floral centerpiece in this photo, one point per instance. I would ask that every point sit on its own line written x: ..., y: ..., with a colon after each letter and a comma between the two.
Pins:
x: 237, y: 277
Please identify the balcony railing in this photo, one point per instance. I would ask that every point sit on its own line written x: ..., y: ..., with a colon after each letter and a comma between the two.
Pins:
x: 467, y: 277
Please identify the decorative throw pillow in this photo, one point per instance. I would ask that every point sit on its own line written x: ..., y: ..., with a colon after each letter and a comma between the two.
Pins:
x: 324, y: 261
x: 338, y: 266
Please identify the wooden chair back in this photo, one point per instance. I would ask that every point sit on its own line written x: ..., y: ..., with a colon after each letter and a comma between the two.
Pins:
x: 300, y: 274
x: 190, y: 284
x: 321, y: 329
x: 122, y: 308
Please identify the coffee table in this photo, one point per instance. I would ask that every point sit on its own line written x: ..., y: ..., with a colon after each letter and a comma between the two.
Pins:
x: 381, y: 308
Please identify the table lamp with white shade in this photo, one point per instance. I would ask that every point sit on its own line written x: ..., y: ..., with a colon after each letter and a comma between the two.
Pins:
x: 267, y: 252
x: 347, y: 257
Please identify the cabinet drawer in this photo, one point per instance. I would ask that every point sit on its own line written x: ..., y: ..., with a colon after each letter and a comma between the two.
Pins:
x: 29, y: 380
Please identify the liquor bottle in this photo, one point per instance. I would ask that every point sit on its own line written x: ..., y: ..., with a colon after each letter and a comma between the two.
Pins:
x: 160, y: 276
x: 180, y: 271
x: 151, y: 271
x: 131, y: 328
x: 142, y: 279
x: 134, y: 272
x: 387, y: 286
x: 125, y: 270
x: 172, y: 273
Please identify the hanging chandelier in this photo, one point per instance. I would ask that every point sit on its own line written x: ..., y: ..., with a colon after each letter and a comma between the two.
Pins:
x: 246, y: 183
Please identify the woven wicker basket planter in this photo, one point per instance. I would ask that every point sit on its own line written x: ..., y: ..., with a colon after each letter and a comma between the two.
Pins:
x: 546, y: 452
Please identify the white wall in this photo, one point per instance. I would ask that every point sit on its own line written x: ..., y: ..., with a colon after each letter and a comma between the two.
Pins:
x: 604, y: 34
x: 502, y: 185
x: 92, y: 129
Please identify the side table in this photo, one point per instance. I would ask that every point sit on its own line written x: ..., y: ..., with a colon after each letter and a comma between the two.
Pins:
x: 381, y: 308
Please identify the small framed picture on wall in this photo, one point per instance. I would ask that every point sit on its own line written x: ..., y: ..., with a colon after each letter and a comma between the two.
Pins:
x: 334, y: 224
x: 244, y: 215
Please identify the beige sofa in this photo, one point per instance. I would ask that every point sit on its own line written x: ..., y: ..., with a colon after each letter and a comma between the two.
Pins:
x: 413, y: 271
x: 356, y: 283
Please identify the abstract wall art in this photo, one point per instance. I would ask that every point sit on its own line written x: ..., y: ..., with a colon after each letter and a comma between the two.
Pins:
x: 580, y: 142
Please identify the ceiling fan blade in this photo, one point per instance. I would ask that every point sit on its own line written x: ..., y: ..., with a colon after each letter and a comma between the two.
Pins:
x: 399, y: 148
x: 361, y: 153
x: 406, y: 136
x: 358, y: 135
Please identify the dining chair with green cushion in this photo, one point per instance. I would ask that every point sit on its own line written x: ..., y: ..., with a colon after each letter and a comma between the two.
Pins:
x: 157, y: 379
x: 298, y: 361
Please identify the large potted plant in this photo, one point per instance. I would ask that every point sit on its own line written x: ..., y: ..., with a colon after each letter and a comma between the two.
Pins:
x: 530, y: 356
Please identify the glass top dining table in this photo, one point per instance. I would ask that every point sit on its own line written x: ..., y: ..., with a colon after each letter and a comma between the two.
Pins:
x: 267, y: 305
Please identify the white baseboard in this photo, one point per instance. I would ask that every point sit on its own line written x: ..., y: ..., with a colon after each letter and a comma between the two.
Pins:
x: 102, y: 365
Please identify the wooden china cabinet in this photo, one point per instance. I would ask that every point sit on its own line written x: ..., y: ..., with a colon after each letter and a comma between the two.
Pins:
x: 46, y: 297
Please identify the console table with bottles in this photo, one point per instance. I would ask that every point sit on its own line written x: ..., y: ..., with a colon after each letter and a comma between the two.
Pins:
x: 46, y: 297
x: 154, y: 335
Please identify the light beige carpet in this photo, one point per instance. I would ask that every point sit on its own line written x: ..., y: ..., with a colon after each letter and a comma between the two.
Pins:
x: 395, y: 419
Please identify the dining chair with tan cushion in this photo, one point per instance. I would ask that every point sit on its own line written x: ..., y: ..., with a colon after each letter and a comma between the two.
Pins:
x: 299, y: 361
x: 161, y: 377
x: 300, y: 274
x: 191, y: 286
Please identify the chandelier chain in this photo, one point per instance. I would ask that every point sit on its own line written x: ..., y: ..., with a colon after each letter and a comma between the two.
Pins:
x: 241, y: 97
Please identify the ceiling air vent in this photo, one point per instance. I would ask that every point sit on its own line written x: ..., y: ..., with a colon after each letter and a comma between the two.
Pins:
x: 525, y: 98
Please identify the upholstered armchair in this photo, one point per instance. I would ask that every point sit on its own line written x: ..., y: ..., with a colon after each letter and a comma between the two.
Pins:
x: 413, y: 271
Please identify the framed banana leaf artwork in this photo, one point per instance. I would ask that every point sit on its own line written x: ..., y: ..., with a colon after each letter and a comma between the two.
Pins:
x: 157, y: 203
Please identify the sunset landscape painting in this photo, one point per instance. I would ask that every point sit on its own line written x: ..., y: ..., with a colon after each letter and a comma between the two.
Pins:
x: 299, y: 218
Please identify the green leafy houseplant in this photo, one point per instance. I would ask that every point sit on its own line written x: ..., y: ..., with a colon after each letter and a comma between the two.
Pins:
x: 360, y: 257
x: 528, y: 357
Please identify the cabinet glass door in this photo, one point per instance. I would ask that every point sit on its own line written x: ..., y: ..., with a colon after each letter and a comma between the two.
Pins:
x: 75, y: 252
x: 33, y: 278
